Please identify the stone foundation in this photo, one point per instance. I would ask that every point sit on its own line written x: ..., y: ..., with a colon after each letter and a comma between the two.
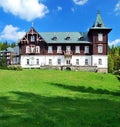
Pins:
x: 102, y: 70
x: 76, y: 68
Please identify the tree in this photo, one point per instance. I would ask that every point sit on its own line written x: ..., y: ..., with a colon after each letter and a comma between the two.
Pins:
x: 3, y: 61
x: 110, y: 64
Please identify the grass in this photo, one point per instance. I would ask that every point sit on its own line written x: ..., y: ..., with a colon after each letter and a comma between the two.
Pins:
x: 51, y: 98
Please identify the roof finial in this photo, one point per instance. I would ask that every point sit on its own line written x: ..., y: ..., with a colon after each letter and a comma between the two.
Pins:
x: 98, y: 11
x: 32, y: 24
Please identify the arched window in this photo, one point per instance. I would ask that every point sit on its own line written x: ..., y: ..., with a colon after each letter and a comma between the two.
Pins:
x: 32, y: 38
x: 27, y: 49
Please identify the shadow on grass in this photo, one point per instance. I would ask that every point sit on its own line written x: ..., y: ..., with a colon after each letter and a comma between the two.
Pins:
x: 32, y: 110
x: 86, y: 90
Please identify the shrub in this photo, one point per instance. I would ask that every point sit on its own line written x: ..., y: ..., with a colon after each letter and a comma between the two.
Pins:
x: 15, y: 67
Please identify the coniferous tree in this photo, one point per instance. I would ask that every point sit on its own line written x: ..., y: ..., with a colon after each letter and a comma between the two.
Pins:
x: 110, y: 64
x: 3, y: 61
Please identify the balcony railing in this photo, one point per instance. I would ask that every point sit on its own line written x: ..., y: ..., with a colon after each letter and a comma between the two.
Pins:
x: 68, y: 53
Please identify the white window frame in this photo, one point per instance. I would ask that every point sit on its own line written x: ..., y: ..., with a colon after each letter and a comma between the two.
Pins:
x: 50, y: 50
x: 86, y: 49
x: 59, y: 61
x: 59, y: 49
x: 37, y: 49
x: 33, y: 49
x: 100, y: 37
x: 32, y: 38
x: 27, y: 49
x: 50, y: 62
x: 68, y: 62
x: 68, y: 48
x: 28, y: 61
x: 100, y: 48
x: 37, y: 61
x: 77, y: 62
x: 99, y: 61
x: 86, y: 61
x: 77, y: 49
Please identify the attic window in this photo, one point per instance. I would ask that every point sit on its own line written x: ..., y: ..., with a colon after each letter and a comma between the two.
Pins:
x: 68, y: 38
x: 32, y: 38
x: 54, y: 38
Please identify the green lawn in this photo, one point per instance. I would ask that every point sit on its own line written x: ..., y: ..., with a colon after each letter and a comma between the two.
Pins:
x: 52, y: 98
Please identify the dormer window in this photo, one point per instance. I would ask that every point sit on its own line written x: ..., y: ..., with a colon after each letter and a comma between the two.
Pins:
x: 54, y: 38
x: 81, y: 38
x: 68, y: 38
x: 32, y: 38
x: 99, y: 25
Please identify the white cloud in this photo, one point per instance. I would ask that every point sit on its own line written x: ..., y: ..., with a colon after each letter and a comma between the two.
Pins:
x: 115, y: 42
x: 11, y: 33
x: 59, y: 8
x: 25, y: 9
x: 80, y: 2
x: 117, y: 8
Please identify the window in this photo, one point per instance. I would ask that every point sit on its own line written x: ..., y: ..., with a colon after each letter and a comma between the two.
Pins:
x: 8, y: 53
x: 100, y: 49
x: 59, y: 49
x: 28, y: 62
x: 27, y: 49
x: 37, y: 49
x: 86, y: 61
x: 32, y: 49
x: 50, y: 49
x: 59, y: 61
x: 54, y: 38
x: 77, y: 61
x: 8, y: 57
x: 68, y: 48
x: 86, y: 49
x: 68, y: 38
x: 32, y: 38
x: 67, y: 61
x: 50, y: 61
x: 99, y: 61
x: 37, y: 61
x: 100, y: 37
x: 77, y: 49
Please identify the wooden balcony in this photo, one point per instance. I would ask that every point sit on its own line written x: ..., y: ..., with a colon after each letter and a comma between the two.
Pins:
x: 68, y: 53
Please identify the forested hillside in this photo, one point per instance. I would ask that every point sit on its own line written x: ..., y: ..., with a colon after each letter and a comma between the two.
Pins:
x: 4, y: 45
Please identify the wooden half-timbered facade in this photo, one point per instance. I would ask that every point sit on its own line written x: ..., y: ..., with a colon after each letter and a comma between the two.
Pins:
x: 73, y: 49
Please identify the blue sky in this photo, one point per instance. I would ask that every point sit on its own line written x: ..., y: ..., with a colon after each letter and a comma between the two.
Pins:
x: 17, y: 16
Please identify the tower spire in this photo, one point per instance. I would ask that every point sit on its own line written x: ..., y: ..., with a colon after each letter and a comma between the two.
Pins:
x: 99, y: 22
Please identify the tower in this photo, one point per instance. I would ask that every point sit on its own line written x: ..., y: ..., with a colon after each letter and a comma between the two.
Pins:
x: 98, y: 35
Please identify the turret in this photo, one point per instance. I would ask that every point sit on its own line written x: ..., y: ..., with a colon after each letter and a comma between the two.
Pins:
x: 98, y: 35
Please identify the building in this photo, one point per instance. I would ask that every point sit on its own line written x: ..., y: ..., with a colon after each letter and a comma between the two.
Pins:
x: 11, y: 54
x: 74, y: 50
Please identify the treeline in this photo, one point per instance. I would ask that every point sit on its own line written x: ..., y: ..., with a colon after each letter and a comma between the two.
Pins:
x: 4, y: 45
x: 113, y: 59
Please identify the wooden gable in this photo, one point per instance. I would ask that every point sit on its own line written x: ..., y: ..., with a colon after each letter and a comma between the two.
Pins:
x: 32, y: 36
